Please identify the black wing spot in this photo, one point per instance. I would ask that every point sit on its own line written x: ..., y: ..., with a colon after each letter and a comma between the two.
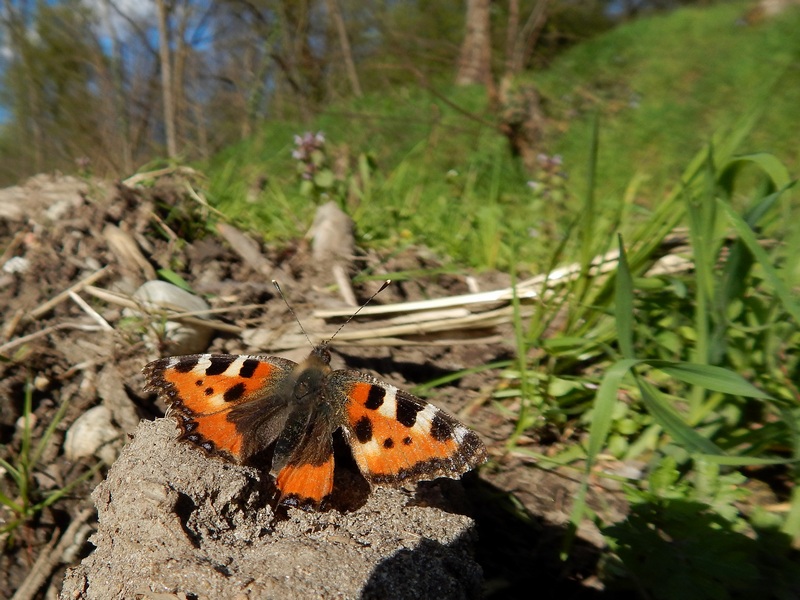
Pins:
x: 375, y: 397
x: 248, y: 368
x: 209, y: 391
x: 363, y: 430
x: 407, y: 411
x: 219, y: 364
x: 407, y: 441
x: 441, y: 430
x: 199, y: 382
x: 388, y: 443
x: 187, y: 364
x: 234, y: 392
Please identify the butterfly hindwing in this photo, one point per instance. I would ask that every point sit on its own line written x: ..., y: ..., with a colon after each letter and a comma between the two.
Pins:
x: 204, y: 392
x: 396, y: 437
x: 303, y: 460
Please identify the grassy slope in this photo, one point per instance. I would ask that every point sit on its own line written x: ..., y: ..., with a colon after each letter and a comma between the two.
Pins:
x: 661, y: 85
x: 664, y: 85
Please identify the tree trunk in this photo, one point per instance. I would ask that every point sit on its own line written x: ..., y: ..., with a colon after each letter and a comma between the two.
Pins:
x: 26, y: 90
x: 512, y: 30
x: 113, y: 75
x: 166, y: 80
x: 474, y: 62
x: 522, y: 119
x: 528, y: 37
x: 347, y: 54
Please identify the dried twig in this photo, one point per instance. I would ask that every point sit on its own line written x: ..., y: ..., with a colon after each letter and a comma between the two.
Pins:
x: 10, y: 345
x: 529, y: 289
x: 128, y: 302
x: 343, y: 281
x: 127, y: 251
x: 247, y: 249
x: 51, y: 556
x: 90, y: 311
x: 462, y: 318
x: 50, y: 304
x: 12, y: 246
x: 460, y: 327
x: 139, y: 177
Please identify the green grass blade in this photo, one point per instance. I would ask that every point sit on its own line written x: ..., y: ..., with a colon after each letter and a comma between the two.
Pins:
x: 746, y: 461
x: 11, y: 469
x: 56, y: 495
x: 25, y: 442
x: 589, y: 210
x: 11, y: 504
x: 710, y: 377
x: 11, y: 526
x: 623, y: 306
x: 605, y: 400
x: 746, y: 235
x: 792, y: 524
x: 40, y: 447
x: 522, y: 365
x: 768, y: 163
x: 673, y: 423
x: 424, y: 388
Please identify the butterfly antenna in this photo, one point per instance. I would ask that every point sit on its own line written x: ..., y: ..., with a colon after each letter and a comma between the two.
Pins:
x: 291, y: 310
x: 351, y: 317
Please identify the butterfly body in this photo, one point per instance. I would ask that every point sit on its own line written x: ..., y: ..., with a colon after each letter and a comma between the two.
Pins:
x: 239, y: 406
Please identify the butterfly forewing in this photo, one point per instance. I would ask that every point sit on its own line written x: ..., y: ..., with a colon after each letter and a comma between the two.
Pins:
x: 203, y: 389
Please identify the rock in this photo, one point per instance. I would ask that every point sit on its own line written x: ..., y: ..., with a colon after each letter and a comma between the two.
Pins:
x: 180, y: 337
x: 46, y: 197
x: 332, y: 234
x: 172, y: 521
x: 92, y: 434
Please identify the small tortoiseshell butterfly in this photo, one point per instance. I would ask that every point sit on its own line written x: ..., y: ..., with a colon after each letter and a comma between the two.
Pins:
x: 238, y: 406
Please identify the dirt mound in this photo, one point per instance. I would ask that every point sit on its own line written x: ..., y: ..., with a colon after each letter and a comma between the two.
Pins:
x: 173, y: 521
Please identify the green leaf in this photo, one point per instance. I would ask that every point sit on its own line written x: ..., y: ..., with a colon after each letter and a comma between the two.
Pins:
x: 175, y: 279
x: 605, y: 400
x: 324, y: 178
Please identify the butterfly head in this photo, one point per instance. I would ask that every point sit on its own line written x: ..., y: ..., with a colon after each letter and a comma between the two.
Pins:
x: 312, y: 372
x: 321, y: 354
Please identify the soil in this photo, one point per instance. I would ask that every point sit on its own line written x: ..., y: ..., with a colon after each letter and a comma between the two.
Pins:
x: 205, y: 528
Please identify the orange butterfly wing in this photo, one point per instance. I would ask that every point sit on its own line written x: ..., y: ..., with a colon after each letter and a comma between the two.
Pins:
x: 305, y: 475
x: 396, y: 437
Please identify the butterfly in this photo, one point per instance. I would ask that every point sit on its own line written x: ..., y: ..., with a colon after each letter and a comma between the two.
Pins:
x: 237, y: 407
